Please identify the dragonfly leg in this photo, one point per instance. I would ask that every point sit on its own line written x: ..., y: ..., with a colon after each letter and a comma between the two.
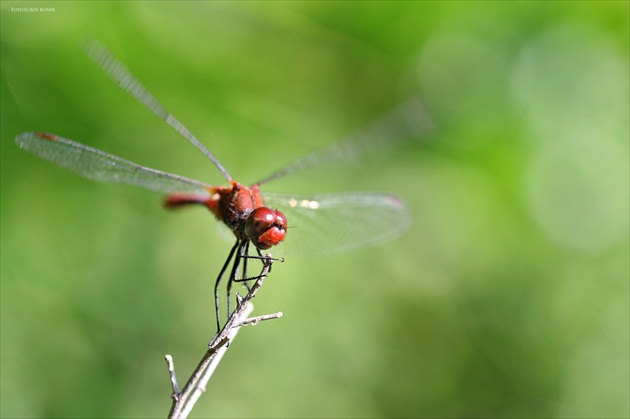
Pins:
x: 246, y: 257
x: 261, y: 257
x: 234, y: 273
x: 216, y: 284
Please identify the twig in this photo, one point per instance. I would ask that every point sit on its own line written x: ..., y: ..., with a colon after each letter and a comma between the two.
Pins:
x: 255, y: 320
x: 171, y: 373
x: 200, y: 388
x: 184, y: 402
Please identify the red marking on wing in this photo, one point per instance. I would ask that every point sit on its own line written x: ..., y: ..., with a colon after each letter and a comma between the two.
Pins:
x: 46, y: 136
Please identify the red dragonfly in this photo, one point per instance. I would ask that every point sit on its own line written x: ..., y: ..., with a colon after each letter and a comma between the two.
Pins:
x: 350, y: 219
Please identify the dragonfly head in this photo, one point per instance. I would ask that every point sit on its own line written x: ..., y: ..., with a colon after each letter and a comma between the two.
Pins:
x: 265, y: 227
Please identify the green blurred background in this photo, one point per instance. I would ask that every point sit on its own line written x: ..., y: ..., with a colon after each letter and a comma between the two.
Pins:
x: 507, y: 297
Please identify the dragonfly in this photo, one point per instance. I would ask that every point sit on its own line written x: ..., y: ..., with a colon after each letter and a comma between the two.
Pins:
x: 328, y: 223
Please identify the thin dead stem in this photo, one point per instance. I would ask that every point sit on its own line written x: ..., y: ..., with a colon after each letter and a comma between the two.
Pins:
x: 184, y: 401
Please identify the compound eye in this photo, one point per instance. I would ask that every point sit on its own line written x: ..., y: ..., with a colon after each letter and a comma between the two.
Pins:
x: 281, y: 220
x: 265, y: 227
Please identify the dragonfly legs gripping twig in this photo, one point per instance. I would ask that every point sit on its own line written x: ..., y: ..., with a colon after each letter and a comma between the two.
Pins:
x: 184, y: 401
x: 239, y: 255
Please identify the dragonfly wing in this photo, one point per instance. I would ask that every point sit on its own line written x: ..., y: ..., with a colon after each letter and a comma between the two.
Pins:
x: 408, y: 122
x: 101, y: 166
x: 333, y: 223
x: 117, y: 71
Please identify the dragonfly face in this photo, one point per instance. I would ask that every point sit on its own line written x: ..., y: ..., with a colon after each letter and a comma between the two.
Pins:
x: 265, y: 227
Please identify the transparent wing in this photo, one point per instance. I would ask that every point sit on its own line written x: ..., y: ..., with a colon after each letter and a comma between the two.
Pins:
x: 408, y: 122
x: 333, y: 223
x: 129, y: 83
x: 99, y: 165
